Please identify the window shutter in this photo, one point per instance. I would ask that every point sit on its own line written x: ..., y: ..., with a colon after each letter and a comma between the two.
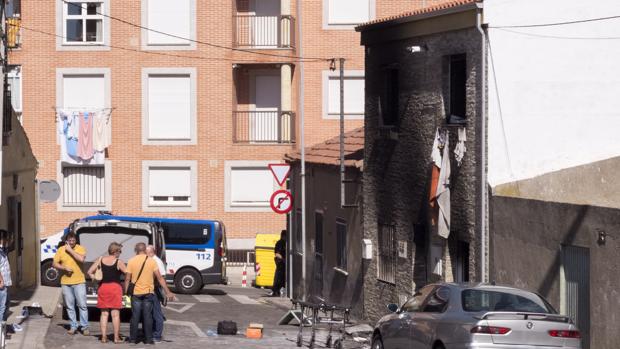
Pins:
x: 83, y: 91
x: 170, y: 181
x: 172, y: 17
x: 251, y: 186
x: 169, y: 107
x: 83, y: 186
x: 349, y: 11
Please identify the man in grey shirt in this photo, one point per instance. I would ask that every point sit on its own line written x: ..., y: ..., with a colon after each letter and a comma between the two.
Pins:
x: 158, y: 313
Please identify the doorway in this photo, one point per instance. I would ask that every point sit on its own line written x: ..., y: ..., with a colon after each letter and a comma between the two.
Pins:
x: 575, y: 288
x: 14, y: 206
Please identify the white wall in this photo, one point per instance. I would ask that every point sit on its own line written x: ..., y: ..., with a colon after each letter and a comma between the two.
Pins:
x: 560, y: 98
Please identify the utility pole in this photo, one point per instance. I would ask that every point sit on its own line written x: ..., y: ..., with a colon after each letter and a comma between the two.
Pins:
x: 342, y: 168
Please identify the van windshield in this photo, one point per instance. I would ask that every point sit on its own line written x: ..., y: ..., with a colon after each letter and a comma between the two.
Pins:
x: 97, y: 239
x: 476, y: 300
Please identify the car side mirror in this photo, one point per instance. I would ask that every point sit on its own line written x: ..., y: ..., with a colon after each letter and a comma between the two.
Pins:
x: 392, y: 307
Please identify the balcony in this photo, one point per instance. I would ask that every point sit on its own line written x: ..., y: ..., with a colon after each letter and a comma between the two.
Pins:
x: 13, y: 32
x: 268, y: 32
x: 264, y: 127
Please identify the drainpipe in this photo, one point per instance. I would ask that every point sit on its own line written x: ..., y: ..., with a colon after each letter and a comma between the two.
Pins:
x: 302, y: 146
x: 483, y: 137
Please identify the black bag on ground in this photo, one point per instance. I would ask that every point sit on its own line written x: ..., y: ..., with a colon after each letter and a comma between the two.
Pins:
x: 227, y: 327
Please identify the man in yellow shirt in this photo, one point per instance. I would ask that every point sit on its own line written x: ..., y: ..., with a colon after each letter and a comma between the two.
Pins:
x: 69, y: 260
x: 142, y: 270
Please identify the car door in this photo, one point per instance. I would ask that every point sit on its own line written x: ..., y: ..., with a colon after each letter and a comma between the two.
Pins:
x: 426, y: 320
x: 401, y: 328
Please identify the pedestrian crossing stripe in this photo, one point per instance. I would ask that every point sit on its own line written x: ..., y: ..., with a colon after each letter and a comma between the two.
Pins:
x: 243, y: 299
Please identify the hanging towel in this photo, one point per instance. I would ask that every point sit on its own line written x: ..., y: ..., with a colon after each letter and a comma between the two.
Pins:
x: 436, y: 165
x: 72, y: 133
x: 101, y: 130
x: 459, y: 150
x: 443, y: 193
x: 85, y: 139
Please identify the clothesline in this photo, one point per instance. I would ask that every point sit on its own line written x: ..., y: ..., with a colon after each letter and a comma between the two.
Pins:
x: 84, y: 109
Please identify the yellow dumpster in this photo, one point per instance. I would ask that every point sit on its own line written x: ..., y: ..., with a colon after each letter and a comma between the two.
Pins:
x: 264, y: 253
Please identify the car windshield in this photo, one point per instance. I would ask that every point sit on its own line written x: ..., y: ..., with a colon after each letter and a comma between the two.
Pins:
x: 477, y: 300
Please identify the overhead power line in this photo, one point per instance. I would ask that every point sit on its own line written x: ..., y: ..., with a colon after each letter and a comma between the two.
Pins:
x: 556, y: 23
x: 207, y: 43
x: 158, y: 53
x: 547, y: 36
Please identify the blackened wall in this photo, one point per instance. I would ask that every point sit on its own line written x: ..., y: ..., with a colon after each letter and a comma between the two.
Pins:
x: 341, y: 286
x: 397, y: 166
x: 526, y: 239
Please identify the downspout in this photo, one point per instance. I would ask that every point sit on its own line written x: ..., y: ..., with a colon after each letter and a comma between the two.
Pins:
x: 483, y: 144
x: 302, y: 144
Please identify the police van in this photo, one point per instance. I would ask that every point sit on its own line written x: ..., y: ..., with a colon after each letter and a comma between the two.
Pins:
x: 195, y: 251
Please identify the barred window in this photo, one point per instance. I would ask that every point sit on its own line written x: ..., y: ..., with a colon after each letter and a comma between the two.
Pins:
x: 386, y: 261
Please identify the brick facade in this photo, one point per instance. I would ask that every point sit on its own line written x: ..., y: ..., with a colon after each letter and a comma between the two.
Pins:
x: 40, y: 58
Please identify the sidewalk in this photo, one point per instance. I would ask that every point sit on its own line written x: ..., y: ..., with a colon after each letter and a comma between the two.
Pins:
x: 34, y: 328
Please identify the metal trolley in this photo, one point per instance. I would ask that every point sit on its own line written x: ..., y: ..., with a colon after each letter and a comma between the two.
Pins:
x: 323, y: 313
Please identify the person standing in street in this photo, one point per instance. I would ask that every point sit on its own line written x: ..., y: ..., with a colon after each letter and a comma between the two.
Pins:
x: 142, y: 271
x: 69, y: 260
x: 279, y: 279
x: 158, y: 313
x: 5, y: 275
x: 110, y: 291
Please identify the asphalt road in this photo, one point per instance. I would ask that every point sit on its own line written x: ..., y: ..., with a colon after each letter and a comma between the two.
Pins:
x: 191, y: 320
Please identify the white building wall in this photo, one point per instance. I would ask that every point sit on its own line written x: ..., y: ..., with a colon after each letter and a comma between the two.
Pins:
x: 559, y: 97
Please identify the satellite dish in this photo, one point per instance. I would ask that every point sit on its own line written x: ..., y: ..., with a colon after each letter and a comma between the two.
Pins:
x: 49, y: 190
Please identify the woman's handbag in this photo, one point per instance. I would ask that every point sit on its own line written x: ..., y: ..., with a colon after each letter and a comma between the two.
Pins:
x: 98, y: 272
x: 132, y: 285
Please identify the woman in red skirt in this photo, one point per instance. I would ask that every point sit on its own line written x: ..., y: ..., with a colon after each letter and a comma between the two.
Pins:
x: 110, y: 291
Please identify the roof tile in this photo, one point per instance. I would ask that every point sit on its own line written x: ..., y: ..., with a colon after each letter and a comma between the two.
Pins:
x: 328, y: 152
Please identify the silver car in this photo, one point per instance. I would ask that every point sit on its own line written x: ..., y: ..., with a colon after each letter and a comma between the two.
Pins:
x: 469, y: 316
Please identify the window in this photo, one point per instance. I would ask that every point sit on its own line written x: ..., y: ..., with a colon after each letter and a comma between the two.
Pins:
x: 249, y: 185
x: 178, y: 233
x: 14, y: 78
x: 390, y: 99
x: 341, y: 244
x: 169, y: 106
x: 346, y: 13
x: 353, y: 94
x: 386, y: 261
x: 415, y: 303
x: 83, y: 22
x: 458, y: 79
x: 13, y: 8
x: 175, y: 19
x: 85, y: 188
x: 170, y: 185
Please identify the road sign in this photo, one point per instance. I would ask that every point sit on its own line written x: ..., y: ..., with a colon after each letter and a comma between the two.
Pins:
x: 281, y: 201
x: 280, y: 172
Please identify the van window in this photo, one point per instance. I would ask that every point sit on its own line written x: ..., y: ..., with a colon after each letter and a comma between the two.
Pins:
x: 178, y: 233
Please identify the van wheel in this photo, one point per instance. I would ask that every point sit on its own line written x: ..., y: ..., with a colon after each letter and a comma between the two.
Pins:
x: 50, y: 276
x: 187, y: 281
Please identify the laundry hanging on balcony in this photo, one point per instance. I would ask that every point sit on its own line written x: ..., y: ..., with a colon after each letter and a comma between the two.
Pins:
x: 83, y: 135
x: 439, y: 198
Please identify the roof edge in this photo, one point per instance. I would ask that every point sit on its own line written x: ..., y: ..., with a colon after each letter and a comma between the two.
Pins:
x: 478, y: 4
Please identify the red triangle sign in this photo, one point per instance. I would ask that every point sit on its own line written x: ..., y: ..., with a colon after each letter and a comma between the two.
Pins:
x: 280, y: 172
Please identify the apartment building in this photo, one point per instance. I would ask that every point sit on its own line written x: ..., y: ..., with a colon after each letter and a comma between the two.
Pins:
x: 199, y: 96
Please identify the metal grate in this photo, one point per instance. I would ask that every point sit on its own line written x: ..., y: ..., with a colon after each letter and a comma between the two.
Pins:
x: 83, y: 186
x: 263, y: 127
x: 386, y: 261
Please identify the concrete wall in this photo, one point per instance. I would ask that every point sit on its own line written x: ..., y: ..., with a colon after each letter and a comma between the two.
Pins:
x: 558, y: 97
x: 323, y: 195
x: 397, y: 171
x: 18, y: 160
x: 525, y: 252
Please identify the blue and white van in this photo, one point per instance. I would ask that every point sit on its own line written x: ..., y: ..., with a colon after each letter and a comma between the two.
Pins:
x: 195, y: 251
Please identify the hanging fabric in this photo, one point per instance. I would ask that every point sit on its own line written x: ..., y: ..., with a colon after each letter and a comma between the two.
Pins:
x: 459, y: 149
x: 436, y: 166
x: 70, y: 123
x: 101, y: 131
x: 443, y: 193
x: 85, y: 139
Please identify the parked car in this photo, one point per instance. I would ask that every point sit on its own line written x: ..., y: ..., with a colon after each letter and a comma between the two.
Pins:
x: 468, y: 316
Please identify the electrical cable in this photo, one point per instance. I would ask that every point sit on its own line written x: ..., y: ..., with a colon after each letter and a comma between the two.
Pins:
x: 556, y: 23
x: 207, y: 43
x: 547, y: 36
x: 222, y: 59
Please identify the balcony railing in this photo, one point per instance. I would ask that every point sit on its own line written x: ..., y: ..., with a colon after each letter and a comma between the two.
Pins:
x: 264, y: 31
x: 13, y: 32
x: 264, y: 127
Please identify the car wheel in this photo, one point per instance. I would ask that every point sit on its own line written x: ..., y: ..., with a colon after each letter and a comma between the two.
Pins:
x: 376, y: 342
x: 187, y: 281
x: 50, y: 276
x: 439, y: 346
